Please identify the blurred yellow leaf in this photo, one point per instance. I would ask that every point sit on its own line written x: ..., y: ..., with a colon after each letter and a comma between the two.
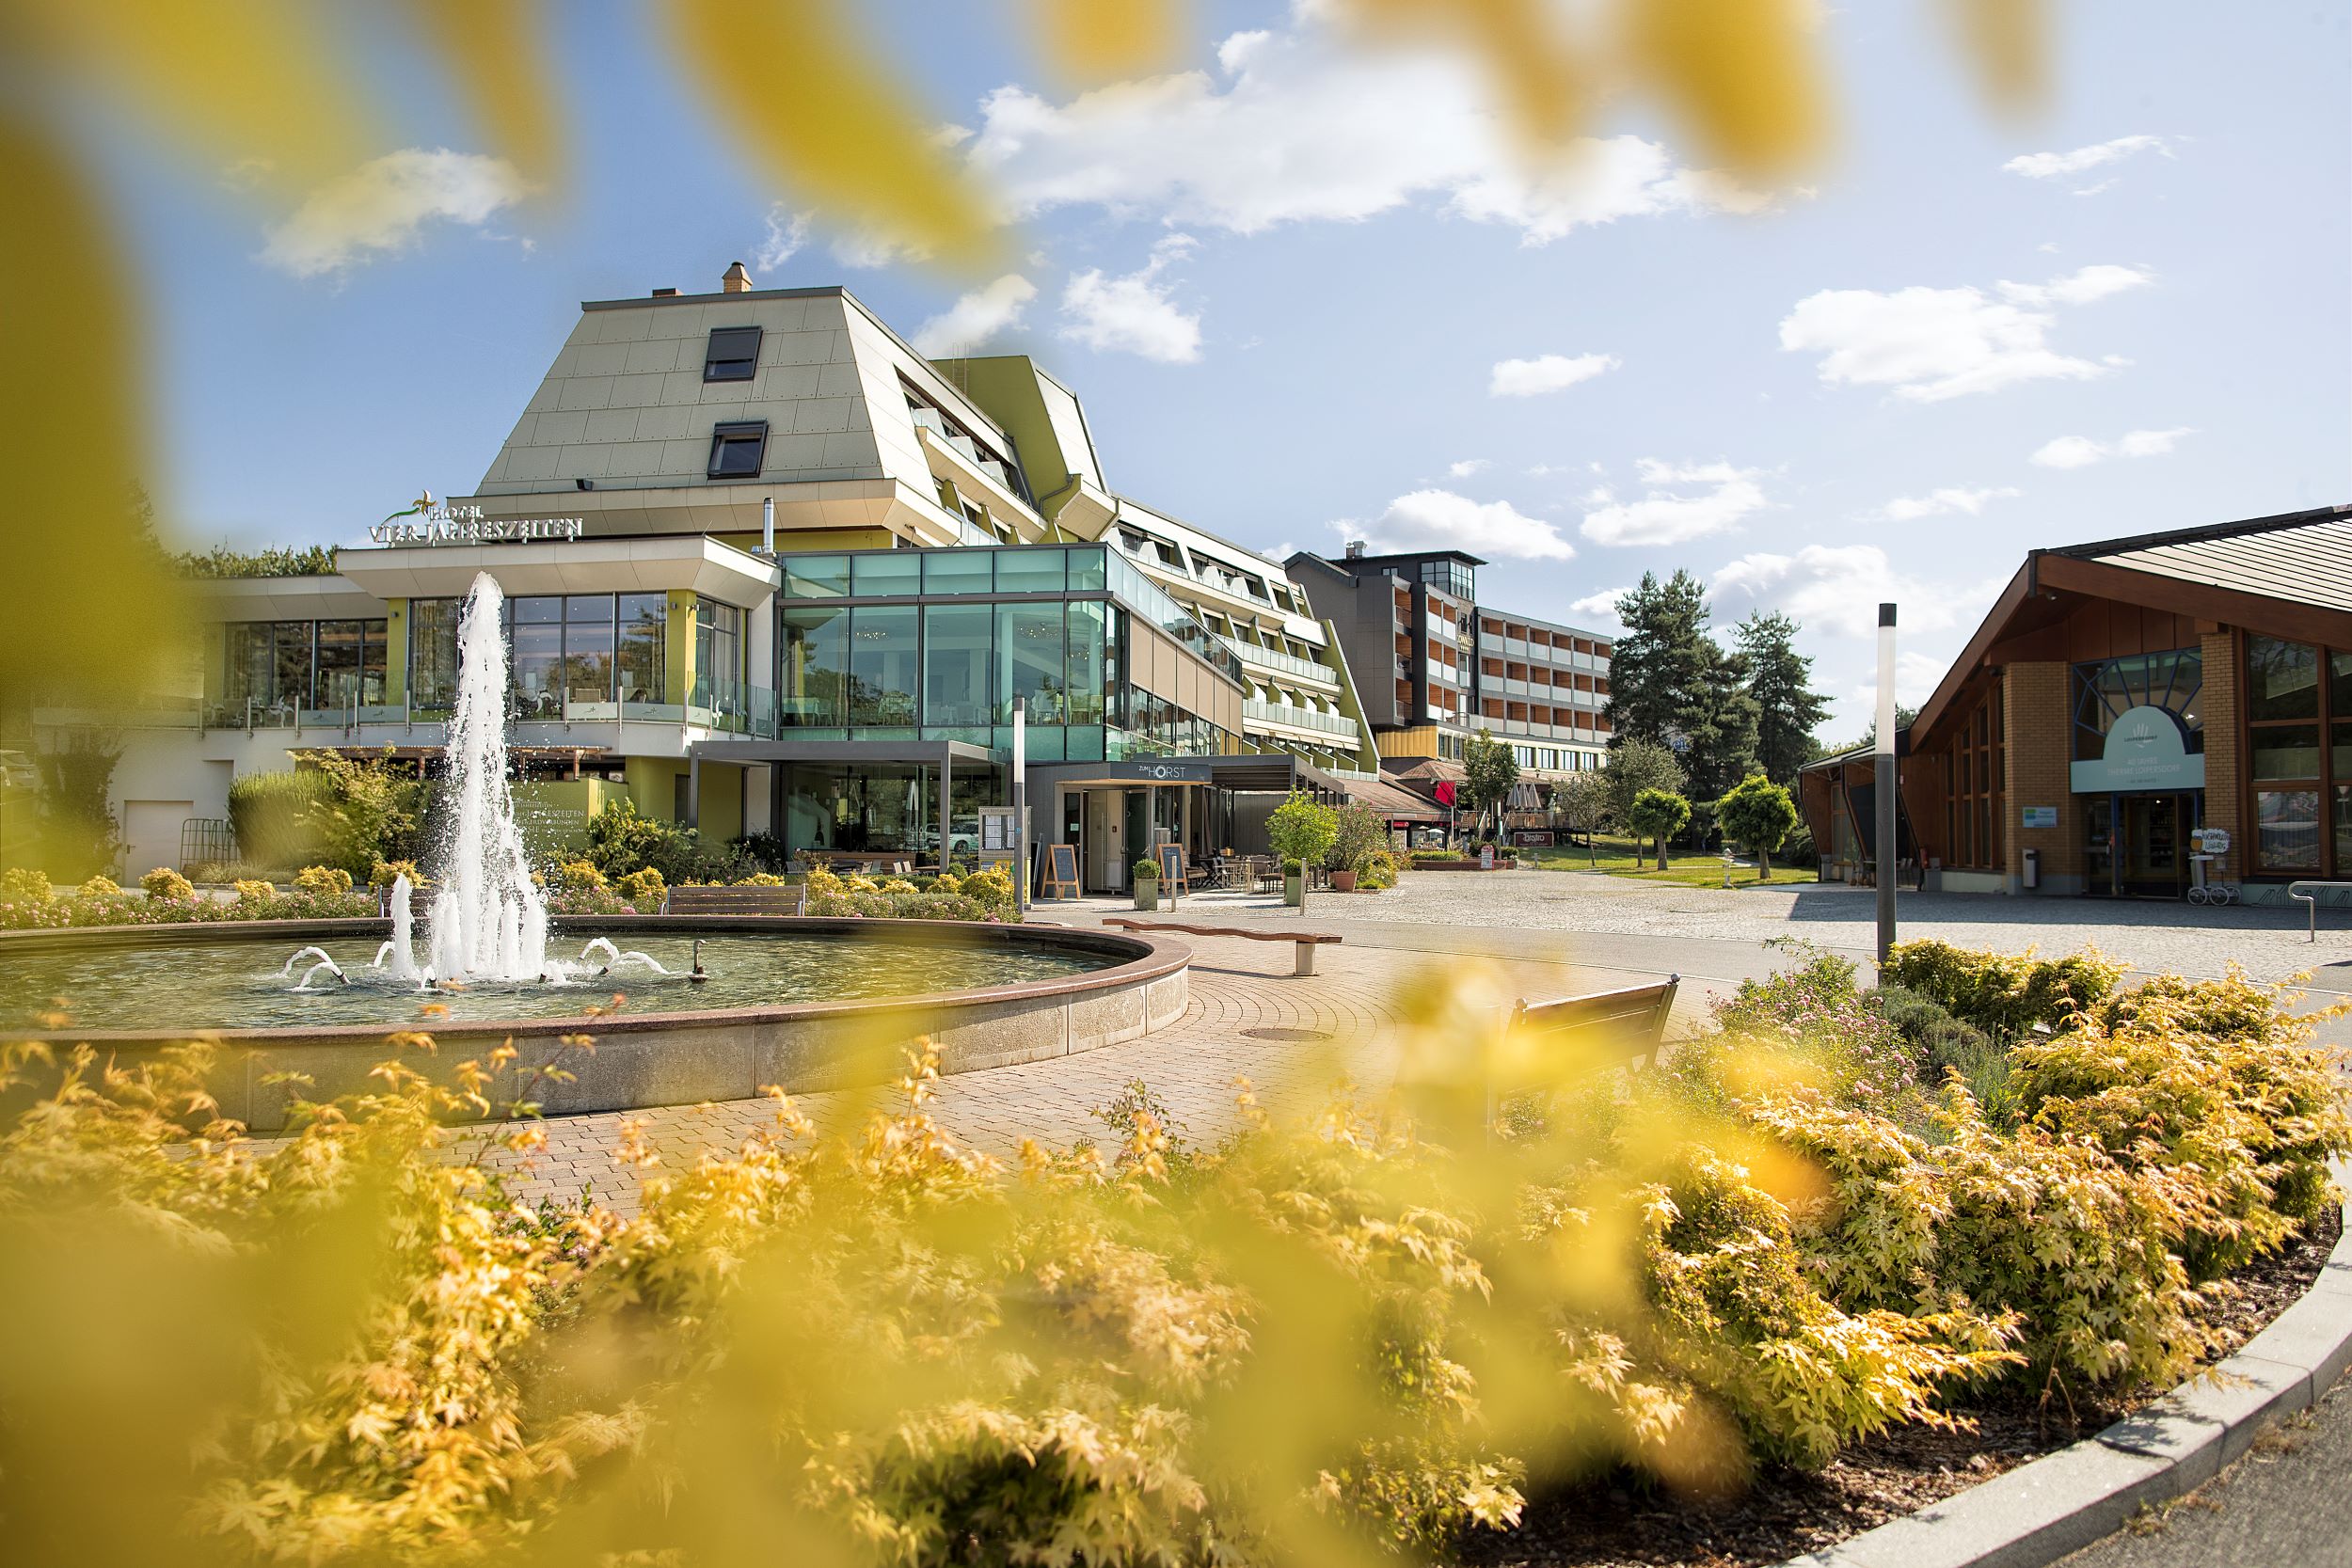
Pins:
x: 250, y: 85
x: 817, y: 116
x: 495, y: 50
x: 1103, y: 40
x: 1743, y: 73
x: 72, y: 435
x: 1544, y: 89
x: 2009, y: 41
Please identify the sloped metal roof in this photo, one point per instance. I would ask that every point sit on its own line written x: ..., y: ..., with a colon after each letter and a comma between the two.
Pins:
x: 2302, y: 556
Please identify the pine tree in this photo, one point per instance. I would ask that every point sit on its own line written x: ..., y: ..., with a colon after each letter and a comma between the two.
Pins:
x: 1789, y: 710
x: 1718, y: 722
x: 1654, y: 669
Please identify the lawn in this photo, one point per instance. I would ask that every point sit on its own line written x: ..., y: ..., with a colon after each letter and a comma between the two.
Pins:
x: 1615, y: 857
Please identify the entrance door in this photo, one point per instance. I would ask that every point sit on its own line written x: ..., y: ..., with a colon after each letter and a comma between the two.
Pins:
x: 2152, y: 854
x: 1106, y: 840
x: 2099, y: 845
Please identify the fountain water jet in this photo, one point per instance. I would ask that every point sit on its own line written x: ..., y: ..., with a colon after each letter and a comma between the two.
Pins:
x: 488, y: 920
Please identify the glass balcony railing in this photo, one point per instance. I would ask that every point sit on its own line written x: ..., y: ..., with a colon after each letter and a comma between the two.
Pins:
x: 1301, y: 717
x: 1282, y: 663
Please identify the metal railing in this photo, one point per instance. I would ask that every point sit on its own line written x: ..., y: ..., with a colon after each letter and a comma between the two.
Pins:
x: 2312, y: 900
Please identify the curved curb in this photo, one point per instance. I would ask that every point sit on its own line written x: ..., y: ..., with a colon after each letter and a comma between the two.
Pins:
x: 2062, y: 1502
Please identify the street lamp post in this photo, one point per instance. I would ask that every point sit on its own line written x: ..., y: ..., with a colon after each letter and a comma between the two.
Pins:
x: 1888, y: 783
x: 1021, y: 806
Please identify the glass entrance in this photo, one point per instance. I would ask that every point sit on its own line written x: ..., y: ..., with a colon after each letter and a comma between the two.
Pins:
x: 2137, y: 846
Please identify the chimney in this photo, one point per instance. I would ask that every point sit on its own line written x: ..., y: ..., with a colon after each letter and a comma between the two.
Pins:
x: 737, y: 280
x: 1355, y: 549
x: 665, y: 294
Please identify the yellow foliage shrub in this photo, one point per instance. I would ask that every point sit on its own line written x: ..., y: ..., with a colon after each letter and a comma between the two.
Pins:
x: 166, y: 885
x: 327, y: 879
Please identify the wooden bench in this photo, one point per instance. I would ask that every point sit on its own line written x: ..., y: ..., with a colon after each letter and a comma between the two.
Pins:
x: 1307, y: 942
x: 1631, y: 1022
x: 757, y: 899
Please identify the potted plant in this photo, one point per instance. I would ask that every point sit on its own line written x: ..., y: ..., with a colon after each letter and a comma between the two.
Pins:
x: 1302, y: 831
x: 1358, y: 834
x: 1147, y: 886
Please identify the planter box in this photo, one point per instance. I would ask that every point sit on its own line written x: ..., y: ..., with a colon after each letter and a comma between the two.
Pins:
x: 1148, y: 897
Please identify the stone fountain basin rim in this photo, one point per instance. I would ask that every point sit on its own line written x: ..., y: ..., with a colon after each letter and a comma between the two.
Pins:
x: 1143, y: 959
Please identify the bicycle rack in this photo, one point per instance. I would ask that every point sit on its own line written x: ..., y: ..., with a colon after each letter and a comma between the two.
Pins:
x: 2312, y: 900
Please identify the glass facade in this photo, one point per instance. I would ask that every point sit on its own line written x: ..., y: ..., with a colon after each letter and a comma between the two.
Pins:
x: 2105, y: 689
x: 2298, y: 748
x: 939, y: 644
x: 280, y: 668
x: 576, y: 656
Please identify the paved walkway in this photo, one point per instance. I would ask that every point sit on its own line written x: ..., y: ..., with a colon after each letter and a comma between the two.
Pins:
x: 1335, y: 1026
x: 1553, y: 933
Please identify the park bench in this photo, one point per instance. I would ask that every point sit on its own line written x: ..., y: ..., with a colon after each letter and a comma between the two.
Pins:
x: 1307, y: 942
x: 746, y: 899
x: 1629, y: 1023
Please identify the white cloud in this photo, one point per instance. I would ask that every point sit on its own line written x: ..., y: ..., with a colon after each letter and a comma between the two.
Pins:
x: 977, y: 317
x: 1601, y: 606
x: 2081, y: 451
x: 1280, y: 552
x: 1681, y: 503
x: 1134, y: 312
x: 1838, y: 589
x: 1934, y: 344
x: 1440, y: 519
x: 384, y: 204
x: 1294, y: 126
x: 1468, y: 467
x: 1549, y: 372
x: 1938, y: 503
x: 2052, y: 165
x: 787, y: 231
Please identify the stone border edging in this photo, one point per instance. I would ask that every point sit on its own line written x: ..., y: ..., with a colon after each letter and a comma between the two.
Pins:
x: 2039, y: 1511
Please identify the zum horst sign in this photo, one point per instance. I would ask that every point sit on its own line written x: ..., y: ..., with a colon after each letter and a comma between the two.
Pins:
x: 447, y: 524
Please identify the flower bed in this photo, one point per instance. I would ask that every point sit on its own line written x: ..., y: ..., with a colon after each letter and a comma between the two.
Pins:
x: 1358, y: 1332
x: 28, y: 902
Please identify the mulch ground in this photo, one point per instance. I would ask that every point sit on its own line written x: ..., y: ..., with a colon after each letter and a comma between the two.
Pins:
x: 1624, y: 1521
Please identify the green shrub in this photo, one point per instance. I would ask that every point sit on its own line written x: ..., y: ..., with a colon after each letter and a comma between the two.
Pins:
x: 383, y: 874
x: 2052, y: 1229
x: 370, y: 812
x: 2247, y: 1119
x: 1359, y: 833
x: 165, y: 885
x: 1380, y: 871
x: 984, y: 895
x: 643, y: 889
x: 23, y: 884
x: 579, y: 877
x: 2004, y: 994
x: 622, y: 840
x: 275, y: 815
x: 1302, y: 829
x: 330, y: 880
x: 1147, y: 871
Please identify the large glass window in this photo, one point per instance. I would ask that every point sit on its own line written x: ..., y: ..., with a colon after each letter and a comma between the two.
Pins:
x: 2284, y: 747
x: 957, y: 571
x: 1084, y: 678
x: 812, y: 669
x: 2281, y: 679
x: 536, y: 650
x: 2104, y: 692
x: 886, y: 573
x: 290, y: 661
x: 335, y: 681
x: 249, y: 663
x: 588, y: 649
x: 432, y: 652
x: 816, y: 576
x: 882, y: 666
x: 1029, y: 661
x: 718, y: 652
x: 641, y: 655
x: 2287, y: 829
x: 957, y: 648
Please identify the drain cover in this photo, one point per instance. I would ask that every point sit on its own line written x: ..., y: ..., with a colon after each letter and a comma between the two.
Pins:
x: 1288, y: 1037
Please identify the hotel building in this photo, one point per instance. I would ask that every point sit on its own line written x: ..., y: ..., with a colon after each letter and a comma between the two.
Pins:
x: 770, y: 570
x: 1447, y: 667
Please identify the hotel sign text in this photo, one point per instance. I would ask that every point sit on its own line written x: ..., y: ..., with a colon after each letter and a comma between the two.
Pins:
x: 466, y: 525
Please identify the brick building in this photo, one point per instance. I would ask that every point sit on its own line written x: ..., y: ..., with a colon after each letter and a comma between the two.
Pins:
x: 2121, y: 702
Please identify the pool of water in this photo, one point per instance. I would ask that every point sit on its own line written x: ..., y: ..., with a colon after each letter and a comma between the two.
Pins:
x: 248, y: 983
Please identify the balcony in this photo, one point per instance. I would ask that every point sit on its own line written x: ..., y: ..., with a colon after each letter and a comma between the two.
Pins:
x: 1300, y: 718
x: 1282, y: 663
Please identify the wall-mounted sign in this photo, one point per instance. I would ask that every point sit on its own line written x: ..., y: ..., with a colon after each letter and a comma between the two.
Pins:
x: 2146, y: 749
x: 442, y: 523
x: 2040, y: 816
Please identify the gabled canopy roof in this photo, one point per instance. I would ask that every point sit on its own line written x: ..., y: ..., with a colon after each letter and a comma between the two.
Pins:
x: 2289, y: 574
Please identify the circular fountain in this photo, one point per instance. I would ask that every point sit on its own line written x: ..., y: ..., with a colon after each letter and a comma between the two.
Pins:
x: 681, y: 1009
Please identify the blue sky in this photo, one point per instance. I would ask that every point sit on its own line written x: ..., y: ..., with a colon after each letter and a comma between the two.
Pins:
x: 1309, y: 294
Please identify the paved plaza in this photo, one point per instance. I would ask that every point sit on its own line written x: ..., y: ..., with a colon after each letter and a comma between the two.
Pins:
x: 1549, y: 933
